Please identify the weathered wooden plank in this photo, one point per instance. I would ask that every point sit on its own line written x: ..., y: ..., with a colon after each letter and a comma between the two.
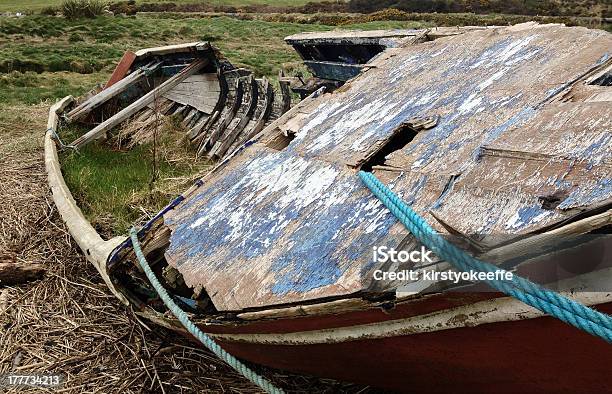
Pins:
x: 228, y: 115
x: 13, y: 272
x: 140, y: 103
x: 110, y: 92
x: 270, y: 228
x: 205, y: 82
x: 194, y: 90
x: 202, y: 103
x: 268, y: 99
x: 278, y: 192
x: 222, y: 146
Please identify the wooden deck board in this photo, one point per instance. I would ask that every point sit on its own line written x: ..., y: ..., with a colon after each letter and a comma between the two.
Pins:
x: 296, y: 224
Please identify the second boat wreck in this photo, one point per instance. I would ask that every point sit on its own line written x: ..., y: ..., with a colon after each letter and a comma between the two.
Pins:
x: 499, y: 137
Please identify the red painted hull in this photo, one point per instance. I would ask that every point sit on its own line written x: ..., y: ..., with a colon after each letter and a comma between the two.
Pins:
x: 532, y: 355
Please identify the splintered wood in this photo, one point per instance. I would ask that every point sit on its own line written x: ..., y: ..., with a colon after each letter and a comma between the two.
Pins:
x: 140, y: 103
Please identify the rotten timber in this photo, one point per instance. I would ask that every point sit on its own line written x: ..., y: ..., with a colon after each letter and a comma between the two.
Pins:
x: 13, y: 272
x: 222, y: 146
x: 140, y: 103
x: 110, y: 92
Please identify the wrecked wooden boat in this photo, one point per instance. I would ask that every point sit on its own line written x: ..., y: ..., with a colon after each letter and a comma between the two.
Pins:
x: 221, y: 106
x: 500, y: 137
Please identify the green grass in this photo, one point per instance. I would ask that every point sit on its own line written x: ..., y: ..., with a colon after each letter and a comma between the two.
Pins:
x: 62, y: 52
x: 32, y: 88
x: 37, y: 5
x: 114, y: 187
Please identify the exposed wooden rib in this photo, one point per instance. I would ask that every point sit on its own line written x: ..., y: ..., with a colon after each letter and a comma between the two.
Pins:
x: 263, y: 116
x: 189, y: 117
x: 271, y: 131
x: 199, y: 125
x: 225, y: 121
x: 285, y: 92
x: 140, y: 103
x: 121, y: 86
x: 222, y: 146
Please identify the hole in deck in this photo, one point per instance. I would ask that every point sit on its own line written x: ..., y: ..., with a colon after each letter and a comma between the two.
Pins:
x: 603, y: 77
x: 281, y: 141
x: 603, y: 80
x: 402, y: 137
x: 552, y: 201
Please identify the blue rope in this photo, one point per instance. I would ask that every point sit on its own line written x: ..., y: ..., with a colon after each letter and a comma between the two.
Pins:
x: 193, y: 329
x: 550, y: 302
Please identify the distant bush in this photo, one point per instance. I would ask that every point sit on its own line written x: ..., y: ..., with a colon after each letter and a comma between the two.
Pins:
x: 51, y: 11
x: 587, y: 8
x: 124, y: 7
x: 74, y: 9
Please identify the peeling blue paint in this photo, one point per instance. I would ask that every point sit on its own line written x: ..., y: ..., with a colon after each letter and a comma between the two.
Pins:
x: 585, y: 195
x: 526, y: 216
x: 306, y: 214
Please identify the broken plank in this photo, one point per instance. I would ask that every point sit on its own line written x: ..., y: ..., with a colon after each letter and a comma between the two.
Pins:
x: 113, y: 91
x: 225, y: 121
x: 13, y: 272
x: 221, y: 148
x: 140, y: 103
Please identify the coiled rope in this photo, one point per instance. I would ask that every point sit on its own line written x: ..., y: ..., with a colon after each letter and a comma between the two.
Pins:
x: 549, y: 302
x: 193, y: 329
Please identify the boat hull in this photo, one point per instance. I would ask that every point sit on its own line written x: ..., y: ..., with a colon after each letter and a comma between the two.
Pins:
x: 541, y: 354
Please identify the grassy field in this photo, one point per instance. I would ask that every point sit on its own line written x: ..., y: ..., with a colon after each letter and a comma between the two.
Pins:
x: 37, y: 5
